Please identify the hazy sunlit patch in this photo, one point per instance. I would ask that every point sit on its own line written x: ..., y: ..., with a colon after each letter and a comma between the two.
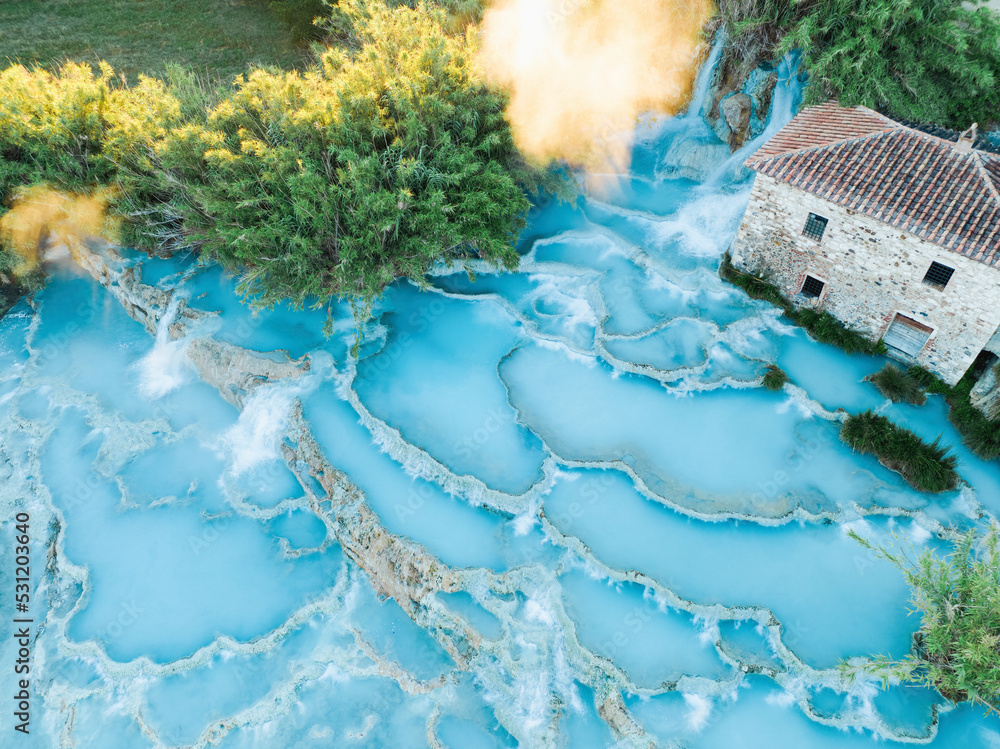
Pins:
x: 605, y: 63
x: 43, y: 217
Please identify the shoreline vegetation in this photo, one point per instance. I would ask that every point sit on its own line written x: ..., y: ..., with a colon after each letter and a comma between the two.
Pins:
x: 958, y: 598
x: 979, y: 433
x: 927, y: 467
x: 385, y: 155
x: 821, y: 325
x: 288, y: 140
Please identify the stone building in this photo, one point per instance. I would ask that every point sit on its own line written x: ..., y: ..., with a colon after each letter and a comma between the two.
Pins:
x: 893, y: 230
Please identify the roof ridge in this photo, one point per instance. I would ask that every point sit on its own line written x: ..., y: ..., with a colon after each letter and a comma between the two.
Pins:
x: 931, y: 136
x: 873, y: 112
x: 805, y: 149
x: 977, y: 159
x: 977, y: 155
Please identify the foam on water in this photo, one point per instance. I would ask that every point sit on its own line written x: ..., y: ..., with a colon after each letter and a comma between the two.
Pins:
x: 255, y: 438
x: 699, y: 709
x: 164, y: 368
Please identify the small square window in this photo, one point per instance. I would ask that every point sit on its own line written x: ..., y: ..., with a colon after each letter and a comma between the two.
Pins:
x: 815, y: 226
x: 812, y: 287
x: 938, y: 275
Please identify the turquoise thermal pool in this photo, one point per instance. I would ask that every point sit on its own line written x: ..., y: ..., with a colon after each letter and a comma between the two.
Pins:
x: 545, y: 508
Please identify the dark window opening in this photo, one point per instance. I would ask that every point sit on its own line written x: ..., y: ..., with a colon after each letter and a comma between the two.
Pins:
x: 812, y: 287
x: 984, y: 361
x: 938, y: 275
x: 815, y: 226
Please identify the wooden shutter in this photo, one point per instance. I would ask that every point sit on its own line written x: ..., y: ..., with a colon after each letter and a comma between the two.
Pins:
x: 907, y: 336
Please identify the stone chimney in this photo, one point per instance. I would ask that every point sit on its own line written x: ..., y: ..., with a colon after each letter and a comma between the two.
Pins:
x: 967, y: 139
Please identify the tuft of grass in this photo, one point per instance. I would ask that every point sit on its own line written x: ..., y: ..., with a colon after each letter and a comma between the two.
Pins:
x: 929, y: 381
x: 217, y: 38
x: 925, y: 467
x: 980, y: 434
x: 775, y: 377
x: 899, y: 386
x: 826, y: 328
x: 754, y: 286
x: 823, y: 326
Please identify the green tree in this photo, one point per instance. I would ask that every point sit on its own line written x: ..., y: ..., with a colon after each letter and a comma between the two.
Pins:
x: 372, y: 166
x: 932, y: 61
x: 957, y: 648
x: 926, y: 60
x: 388, y: 154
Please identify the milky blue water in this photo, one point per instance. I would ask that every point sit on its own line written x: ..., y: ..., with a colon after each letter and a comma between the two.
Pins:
x: 586, y: 442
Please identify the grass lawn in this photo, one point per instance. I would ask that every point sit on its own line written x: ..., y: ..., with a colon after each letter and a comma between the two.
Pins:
x: 217, y: 38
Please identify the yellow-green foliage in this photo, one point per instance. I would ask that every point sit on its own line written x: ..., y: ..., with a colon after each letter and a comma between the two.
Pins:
x: 368, y: 167
x: 380, y: 159
x: 77, y: 128
x: 80, y: 131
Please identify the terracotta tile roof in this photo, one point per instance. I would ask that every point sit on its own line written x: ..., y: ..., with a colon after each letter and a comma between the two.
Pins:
x: 915, y: 181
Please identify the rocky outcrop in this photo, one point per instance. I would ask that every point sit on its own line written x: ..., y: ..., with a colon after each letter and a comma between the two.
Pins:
x: 740, y: 100
x: 397, y: 567
x: 693, y: 158
x: 614, y: 712
x: 145, y: 304
x: 742, y: 88
x: 236, y: 372
x: 737, y: 111
x: 985, y: 396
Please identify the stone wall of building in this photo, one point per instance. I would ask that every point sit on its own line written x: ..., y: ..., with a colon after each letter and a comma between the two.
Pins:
x: 872, y: 271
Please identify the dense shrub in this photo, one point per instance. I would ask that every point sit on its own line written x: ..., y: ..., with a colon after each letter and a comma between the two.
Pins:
x: 775, y: 377
x: 899, y: 386
x: 935, y: 61
x: 82, y: 131
x: 365, y: 169
x: 926, y: 467
x: 957, y: 649
x: 379, y: 160
x: 344, y: 20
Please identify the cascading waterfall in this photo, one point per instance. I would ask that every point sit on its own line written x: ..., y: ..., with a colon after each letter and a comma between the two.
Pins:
x: 165, y: 367
x: 703, y: 81
x: 548, y: 508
